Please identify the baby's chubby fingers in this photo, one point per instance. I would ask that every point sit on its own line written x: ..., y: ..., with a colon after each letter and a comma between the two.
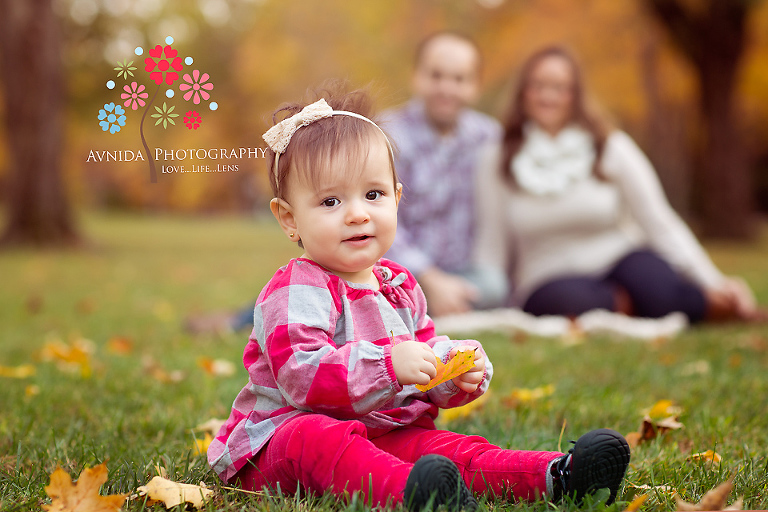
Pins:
x: 413, y: 362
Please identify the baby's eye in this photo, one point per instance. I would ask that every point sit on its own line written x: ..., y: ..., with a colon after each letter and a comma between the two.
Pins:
x: 330, y: 202
x: 372, y: 195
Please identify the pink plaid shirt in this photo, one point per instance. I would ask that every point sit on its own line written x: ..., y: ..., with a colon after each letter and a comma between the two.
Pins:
x: 322, y: 345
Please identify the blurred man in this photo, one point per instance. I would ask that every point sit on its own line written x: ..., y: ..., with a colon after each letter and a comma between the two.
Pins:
x: 437, y: 135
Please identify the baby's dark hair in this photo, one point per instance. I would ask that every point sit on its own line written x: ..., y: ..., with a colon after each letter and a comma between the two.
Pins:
x: 320, y: 145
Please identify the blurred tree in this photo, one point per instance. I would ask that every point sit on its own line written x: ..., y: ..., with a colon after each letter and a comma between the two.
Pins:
x: 38, y: 208
x: 711, y: 34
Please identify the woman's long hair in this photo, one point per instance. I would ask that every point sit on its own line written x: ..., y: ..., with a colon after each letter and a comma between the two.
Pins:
x: 516, y: 118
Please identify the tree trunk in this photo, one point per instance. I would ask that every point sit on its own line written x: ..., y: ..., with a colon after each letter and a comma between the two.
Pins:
x: 712, y: 39
x: 30, y: 47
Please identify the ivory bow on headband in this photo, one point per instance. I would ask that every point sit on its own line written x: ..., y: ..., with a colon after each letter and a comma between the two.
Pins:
x: 278, y: 137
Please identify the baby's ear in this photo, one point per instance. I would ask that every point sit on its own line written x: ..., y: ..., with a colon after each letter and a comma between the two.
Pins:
x: 283, y: 213
x: 398, y: 193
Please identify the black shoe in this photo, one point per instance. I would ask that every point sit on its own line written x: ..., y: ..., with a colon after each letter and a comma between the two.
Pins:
x: 599, y: 459
x: 436, y: 477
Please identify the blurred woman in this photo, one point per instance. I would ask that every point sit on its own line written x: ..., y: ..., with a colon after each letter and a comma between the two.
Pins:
x: 574, y: 211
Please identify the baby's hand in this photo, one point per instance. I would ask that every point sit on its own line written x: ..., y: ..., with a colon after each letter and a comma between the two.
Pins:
x: 414, y: 362
x: 469, y: 381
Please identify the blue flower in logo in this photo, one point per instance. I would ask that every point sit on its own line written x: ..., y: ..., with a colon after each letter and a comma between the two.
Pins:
x: 111, y: 118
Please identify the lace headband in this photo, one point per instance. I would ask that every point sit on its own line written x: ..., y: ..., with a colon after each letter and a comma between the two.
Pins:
x: 278, y: 137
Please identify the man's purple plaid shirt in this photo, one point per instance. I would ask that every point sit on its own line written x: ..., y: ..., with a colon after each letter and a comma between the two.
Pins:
x: 436, y: 218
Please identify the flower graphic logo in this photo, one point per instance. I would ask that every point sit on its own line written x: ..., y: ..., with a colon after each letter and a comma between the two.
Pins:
x: 171, y: 60
x: 163, y: 67
x: 192, y: 120
x: 111, y: 117
x: 196, y: 87
x: 134, y: 96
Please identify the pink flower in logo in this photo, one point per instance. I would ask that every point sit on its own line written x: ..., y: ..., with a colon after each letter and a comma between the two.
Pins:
x: 192, y: 120
x: 196, y: 87
x: 163, y: 65
x: 133, y: 96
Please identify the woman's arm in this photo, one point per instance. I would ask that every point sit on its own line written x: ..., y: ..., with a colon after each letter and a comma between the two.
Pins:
x: 626, y: 166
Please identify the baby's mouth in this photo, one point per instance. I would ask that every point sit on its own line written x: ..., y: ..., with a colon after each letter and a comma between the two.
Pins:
x: 358, y: 238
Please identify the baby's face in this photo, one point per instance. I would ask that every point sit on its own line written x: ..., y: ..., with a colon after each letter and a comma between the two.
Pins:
x: 348, y: 222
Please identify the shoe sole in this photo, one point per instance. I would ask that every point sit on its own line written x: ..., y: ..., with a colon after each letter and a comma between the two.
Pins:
x: 600, y: 460
x: 437, y: 478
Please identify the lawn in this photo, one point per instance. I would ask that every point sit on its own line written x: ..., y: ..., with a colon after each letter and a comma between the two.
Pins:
x: 144, y: 386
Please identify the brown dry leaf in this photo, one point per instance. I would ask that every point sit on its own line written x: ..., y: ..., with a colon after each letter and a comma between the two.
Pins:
x: 120, y: 345
x: 216, y: 367
x: 17, y: 372
x: 172, y: 493
x: 32, y: 390
x: 713, y: 500
x: 636, y: 503
x: 710, y: 456
x: 83, y: 496
x: 527, y: 396
x: 659, y: 419
x: 462, y: 362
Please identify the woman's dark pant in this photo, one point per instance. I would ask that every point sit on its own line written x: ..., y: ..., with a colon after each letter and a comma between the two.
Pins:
x: 654, y: 287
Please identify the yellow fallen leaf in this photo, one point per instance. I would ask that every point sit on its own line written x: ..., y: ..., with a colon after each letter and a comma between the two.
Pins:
x: 216, y: 367
x: 455, y: 413
x: 663, y: 409
x: 526, y: 396
x: 74, y: 357
x: 462, y: 362
x: 636, y: 503
x: 710, y: 456
x: 17, y: 372
x: 200, y: 446
x: 83, y: 496
x: 712, y: 500
x: 172, y: 493
x: 32, y: 390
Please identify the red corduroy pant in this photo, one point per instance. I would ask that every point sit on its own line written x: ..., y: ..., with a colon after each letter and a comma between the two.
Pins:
x: 321, y: 453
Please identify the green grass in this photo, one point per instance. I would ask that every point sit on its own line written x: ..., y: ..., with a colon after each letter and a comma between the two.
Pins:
x: 145, y: 274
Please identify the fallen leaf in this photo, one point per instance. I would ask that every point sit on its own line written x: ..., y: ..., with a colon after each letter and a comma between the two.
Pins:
x: 157, y: 372
x: 120, y: 345
x: 85, y: 306
x: 462, y: 362
x: 172, y: 493
x: 212, y: 426
x: 664, y: 409
x: 636, y: 503
x: 32, y: 390
x: 526, y: 396
x: 710, y: 456
x: 17, y: 372
x: 216, y: 367
x: 74, y: 357
x: 83, y: 496
x: 713, y: 500
x: 455, y: 413
x: 200, y: 446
